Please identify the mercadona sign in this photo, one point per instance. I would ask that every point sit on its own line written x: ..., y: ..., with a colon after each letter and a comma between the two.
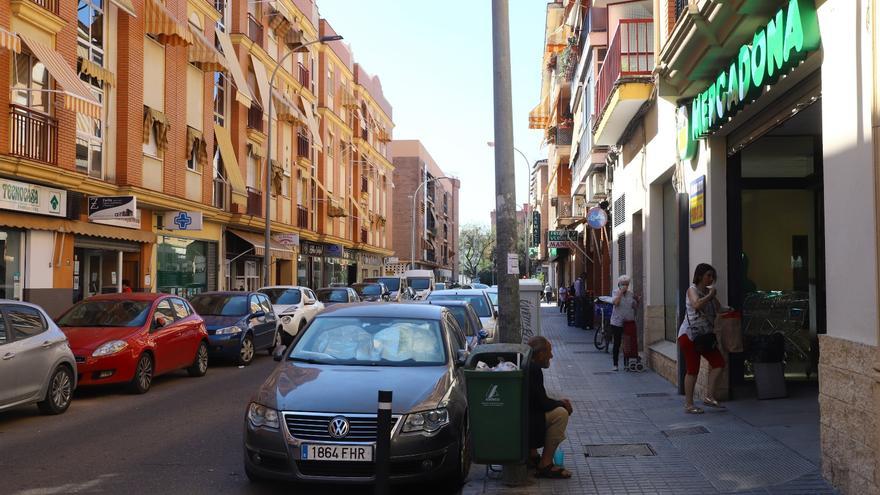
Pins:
x: 775, y: 48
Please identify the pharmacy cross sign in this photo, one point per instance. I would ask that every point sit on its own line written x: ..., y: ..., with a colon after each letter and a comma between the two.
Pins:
x: 182, y: 220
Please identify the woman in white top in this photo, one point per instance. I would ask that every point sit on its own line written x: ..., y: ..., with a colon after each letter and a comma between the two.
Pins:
x: 701, y: 308
x: 624, y: 310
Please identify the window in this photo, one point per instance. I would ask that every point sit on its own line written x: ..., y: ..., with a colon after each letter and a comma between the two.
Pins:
x: 254, y: 305
x: 457, y: 333
x: 330, y: 88
x: 151, y: 147
x: 219, y: 176
x: 621, y: 254
x: 221, y: 97
x: 90, y: 30
x: 221, y: 5
x: 32, y: 80
x: 90, y: 47
x: 180, y: 308
x: 192, y: 161
x: 164, y: 309
x: 25, y: 321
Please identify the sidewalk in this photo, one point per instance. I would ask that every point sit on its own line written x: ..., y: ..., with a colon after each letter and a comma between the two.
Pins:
x: 755, y: 447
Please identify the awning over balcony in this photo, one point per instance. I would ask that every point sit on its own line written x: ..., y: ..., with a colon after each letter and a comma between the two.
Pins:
x: 363, y: 214
x: 312, y: 122
x: 287, y: 110
x: 262, y: 81
x: 258, y: 241
x: 203, y: 55
x: 126, y: 6
x: 77, y: 95
x: 159, y: 22
x: 86, y: 66
x: 242, y: 93
x: 230, y: 162
x: 9, y: 41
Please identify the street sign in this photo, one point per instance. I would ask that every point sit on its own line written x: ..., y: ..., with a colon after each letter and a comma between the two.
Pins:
x: 183, y: 220
x: 597, y: 218
x: 561, y: 238
x: 110, y: 207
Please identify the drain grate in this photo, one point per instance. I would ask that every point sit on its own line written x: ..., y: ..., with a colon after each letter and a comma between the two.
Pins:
x: 619, y: 450
x: 653, y: 394
x: 683, y: 432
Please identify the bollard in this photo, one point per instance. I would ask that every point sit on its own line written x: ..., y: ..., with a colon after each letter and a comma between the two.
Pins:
x: 383, y: 443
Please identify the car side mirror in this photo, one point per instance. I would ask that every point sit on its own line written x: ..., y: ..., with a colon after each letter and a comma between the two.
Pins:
x: 461, y: 356
x: 495, y: 313
x: 258, y: 314
x: 278, y: 355
x: 309, y: 302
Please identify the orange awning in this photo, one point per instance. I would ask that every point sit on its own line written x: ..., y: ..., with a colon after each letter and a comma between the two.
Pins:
x: 158, y: 21
x: 39, y: 222
x: 242, y: 93
x: 202, y: 53
x: 258, y: 241
x: 286, y: 110
x: 86, y: 66
x: 77, y: 95
x: 9, y: 41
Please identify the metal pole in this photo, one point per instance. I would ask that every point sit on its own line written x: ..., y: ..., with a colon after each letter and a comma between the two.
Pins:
x: 383, y: 443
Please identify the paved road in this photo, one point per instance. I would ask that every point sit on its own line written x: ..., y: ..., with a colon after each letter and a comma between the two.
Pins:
x: 182, y: 437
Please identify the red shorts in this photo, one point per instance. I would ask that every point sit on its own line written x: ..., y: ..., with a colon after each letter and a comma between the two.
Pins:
x: 692, y: 357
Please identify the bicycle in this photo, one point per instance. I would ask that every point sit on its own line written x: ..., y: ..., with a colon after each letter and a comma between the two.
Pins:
x: 602, y: 339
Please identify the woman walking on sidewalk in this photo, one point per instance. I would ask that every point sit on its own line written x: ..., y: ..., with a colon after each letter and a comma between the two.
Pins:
x: 696, y: 337
x: 624, y: 310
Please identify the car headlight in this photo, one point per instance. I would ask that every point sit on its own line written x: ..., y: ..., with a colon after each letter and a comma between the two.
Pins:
x: 286, y: 319
x: 109, y: 348
x: 227, y: 331
x: 260, y: 415
x: 427, y: 421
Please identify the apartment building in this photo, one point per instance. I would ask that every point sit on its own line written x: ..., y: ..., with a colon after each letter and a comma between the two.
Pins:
x: 426, y: 231
x: 166, y: 106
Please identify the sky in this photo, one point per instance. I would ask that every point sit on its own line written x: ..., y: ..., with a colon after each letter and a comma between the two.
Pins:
x: 435, y: 63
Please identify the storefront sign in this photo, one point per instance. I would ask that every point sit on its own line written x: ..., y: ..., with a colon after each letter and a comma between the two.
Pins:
x: 687, y: 145
x: 288, y: 240
x: 369, y: 259
x: 597, y: 218
x: 775, y: 49
x: 561, y: 238
x: 698, y: 202
x: 333, y: 250
x: 312, y: 249
x: 391, y: 260
x: 31, y: 198
x: 536, y: 228
x: 110, y: 207
x: 183, y: 220
x: 126, y: 223
x: 348, y: 254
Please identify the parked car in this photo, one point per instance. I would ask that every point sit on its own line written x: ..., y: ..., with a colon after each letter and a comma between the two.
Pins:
x: 396, y: 284
x: 479, y: 300
x: 467, y: 319
x: 314, y: 418
x: 335, y: 295
x: 36, y: 363
x: 372, y: 292
x: 440, y: 286
x: 492, y: 292
x: 239, y: 323
x: 295, y: 308
x: 134, y: 337
x: 407, y: 294
x: 420, y: 280
x: 477, y: 285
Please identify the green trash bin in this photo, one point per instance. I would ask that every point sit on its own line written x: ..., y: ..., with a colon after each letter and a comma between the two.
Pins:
x: 498, y: 404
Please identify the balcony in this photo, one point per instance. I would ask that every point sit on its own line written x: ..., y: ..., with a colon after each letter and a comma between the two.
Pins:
x: 303, y: 148
x: 302, y: 217
x: 254, y: 202
x: 625, y: 81
x: 50, y: 5
x: 365, y: 185
x: 364, y: 234
x: 304, y: 77
x: 221, y: 194
x: 255, y: 30
x: 34, y: 135
x: 255, y: 118
x: 567, y: 212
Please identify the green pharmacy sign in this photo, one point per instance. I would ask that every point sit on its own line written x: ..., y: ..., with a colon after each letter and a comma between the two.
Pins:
x: 774, y: 50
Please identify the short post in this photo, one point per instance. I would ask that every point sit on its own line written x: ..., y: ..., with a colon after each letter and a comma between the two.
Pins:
x: 383, y: 443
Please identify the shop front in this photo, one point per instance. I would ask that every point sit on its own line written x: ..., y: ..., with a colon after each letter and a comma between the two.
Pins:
x: 310, y: 266
x: 369, y: 265
x: 245, y: 253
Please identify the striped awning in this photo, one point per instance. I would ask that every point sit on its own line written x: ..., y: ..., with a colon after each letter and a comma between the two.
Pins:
x: 242, y: 93
x: 86, y: 66
x: 312, y: 122
x: 159, y: 22
x: 286, y: 110
x: 126, y: 6
x: 9, y: 41
x: 363, y: 213
x: 202, y: 53
x: 77, y: 95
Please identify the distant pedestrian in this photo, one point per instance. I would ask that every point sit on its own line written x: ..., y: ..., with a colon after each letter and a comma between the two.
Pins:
x: 623, y: 310
x: 126, y: 286
x: 562, y: 298
x: 548, y: 291
x: 696, y: 337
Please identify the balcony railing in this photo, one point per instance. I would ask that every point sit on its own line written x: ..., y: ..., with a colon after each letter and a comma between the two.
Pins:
x: 365, y: 185
x: 302, y: 217
x: 255, y: 30
x: 563, y: 136
x: 302, y: 146
x: 681, y: 7
x: 254, y: 202
x: 221, y: 194
x: 364, y: 234
x: 255, y: 118
x: 564, y: 207
x: 50, y: 5
x: 34, y: 135
x: 304, y: 77
x: 630, y: 55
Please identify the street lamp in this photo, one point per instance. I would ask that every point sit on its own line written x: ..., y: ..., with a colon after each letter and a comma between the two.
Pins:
x: 491, y: 144
x: 412, y: 247
x: 300, y: 48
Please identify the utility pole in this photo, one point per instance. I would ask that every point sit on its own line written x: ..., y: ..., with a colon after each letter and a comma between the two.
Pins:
x: 505, y: 200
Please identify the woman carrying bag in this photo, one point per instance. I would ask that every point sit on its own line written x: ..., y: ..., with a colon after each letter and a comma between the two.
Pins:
x: 696, y: 337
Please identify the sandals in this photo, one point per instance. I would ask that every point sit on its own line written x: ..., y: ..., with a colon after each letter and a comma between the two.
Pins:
x: 533, y: 461
x: 693, y: 410
x: 552, y: 471
x: 712, y: 403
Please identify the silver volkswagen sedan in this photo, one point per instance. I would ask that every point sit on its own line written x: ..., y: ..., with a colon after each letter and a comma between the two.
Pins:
x: 314, y: 419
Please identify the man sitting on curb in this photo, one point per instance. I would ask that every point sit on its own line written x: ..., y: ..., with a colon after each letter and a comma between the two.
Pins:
x: 548, y: 418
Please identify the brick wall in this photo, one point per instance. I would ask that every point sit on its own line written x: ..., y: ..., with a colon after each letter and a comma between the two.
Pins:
x: 130, y: 99
x: 406, y: 179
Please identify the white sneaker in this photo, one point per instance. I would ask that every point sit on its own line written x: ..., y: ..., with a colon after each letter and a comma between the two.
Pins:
x: 615, y: 368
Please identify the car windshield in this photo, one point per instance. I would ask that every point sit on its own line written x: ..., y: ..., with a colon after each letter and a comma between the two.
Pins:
x: 393, y: 283
x: 330, y: 295
x: 419, y: 283
x: 220, y: 305
x: 439, y: 286
x: 375, y: 341
x: 477, y: 301
x: 113, y: 313
x: 493, y: 296
x: 368, y: 289
x: 283, y: 296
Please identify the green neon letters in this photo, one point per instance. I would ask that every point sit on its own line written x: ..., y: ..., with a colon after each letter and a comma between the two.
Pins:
x: 775, y: 48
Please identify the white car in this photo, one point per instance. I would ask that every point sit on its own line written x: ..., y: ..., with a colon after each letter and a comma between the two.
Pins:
x: 479, y: 300
x: 295, y: 306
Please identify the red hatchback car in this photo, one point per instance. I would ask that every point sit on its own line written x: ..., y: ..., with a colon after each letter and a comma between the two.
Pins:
x: 132, y: 337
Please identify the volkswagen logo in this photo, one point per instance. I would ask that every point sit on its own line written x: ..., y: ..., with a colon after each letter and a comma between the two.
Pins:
x: 338, y: 427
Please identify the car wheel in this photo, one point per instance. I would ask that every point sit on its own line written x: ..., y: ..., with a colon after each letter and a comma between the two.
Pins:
x: 200, y: 365
x: 286, y: 338
x: 59, y: 392
x: 276, y: 340
x: 458, y: 475
x: 246, y: 353
x: 143, y: 375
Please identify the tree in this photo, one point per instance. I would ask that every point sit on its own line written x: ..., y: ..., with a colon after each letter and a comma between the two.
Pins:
x: 475, y: 244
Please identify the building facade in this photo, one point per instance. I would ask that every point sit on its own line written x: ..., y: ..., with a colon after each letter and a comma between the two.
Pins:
x: 731, y: 132
x: 435, y: 213
x: 166, y: 104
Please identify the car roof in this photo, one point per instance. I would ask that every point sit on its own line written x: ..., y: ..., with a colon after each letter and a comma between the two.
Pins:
x: 396, y: 310
x: 283, y: 287
x: 332, y: 288
x: 5, y: 302
x: 227, y: 293
x: 459, y: 292
x: 131, y: 296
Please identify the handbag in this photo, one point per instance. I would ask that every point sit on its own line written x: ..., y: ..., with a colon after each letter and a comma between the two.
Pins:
x: 704, y: 335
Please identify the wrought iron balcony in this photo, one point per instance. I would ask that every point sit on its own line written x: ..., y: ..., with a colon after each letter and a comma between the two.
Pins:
x: 254, y: 202
x: 50, y: 5
x: 303, y: 148
x: 34, y: 135
x: 255, y: 30
x: 302, y: 217
x: 255, y: 118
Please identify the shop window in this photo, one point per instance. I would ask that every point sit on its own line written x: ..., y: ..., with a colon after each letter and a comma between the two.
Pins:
x: 182, y: 266
x: 10, y: 264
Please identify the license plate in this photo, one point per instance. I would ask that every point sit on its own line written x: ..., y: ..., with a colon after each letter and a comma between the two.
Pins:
x: 327, y: 452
